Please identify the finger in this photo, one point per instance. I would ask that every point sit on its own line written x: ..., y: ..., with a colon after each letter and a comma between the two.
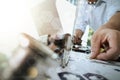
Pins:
x: 113, y: 46
x: 112, y: 40
x: 112, y: 52
x: 78, y: 41
x: 107, y: 56
x: 95, y: 46
x: 74, y: 39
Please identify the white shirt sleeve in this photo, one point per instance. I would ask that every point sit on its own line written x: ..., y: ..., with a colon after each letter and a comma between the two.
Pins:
x: 81, y: 17
x: 113, y: 7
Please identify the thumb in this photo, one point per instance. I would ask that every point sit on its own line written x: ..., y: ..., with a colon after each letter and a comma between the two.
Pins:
x: 95, y: 46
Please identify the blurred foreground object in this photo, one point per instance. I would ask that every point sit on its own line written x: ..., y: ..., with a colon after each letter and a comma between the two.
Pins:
x: 31, y: 60
x: 67, y: 49
x: 28, y: 41
x: 61, y: 44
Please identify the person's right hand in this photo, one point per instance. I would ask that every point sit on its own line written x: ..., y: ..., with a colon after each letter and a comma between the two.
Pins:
x: 109, y: 36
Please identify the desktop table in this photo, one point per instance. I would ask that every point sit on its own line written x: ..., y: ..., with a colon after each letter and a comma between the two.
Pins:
x: 80, y: 67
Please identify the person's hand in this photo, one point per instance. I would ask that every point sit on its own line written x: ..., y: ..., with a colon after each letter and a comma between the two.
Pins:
x: 76, y: 40
x: 108, y: 37
x: 77, y: 37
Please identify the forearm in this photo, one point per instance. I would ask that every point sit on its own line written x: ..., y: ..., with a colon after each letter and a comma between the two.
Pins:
x: 114, y: 22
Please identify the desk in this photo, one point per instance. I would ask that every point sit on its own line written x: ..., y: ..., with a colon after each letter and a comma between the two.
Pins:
x: 82, y: 68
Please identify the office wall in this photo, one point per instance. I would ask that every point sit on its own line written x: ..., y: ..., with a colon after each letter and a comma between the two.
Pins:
x: 46, y: 17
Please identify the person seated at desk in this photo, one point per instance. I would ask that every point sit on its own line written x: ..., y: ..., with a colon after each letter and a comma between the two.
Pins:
x: 104, y: 17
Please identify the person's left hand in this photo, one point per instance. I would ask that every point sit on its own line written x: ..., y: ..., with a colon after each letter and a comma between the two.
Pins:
x: 103, y: 36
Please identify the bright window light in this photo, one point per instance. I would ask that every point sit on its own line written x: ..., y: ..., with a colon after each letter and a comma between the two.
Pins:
x: 15, y: 18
